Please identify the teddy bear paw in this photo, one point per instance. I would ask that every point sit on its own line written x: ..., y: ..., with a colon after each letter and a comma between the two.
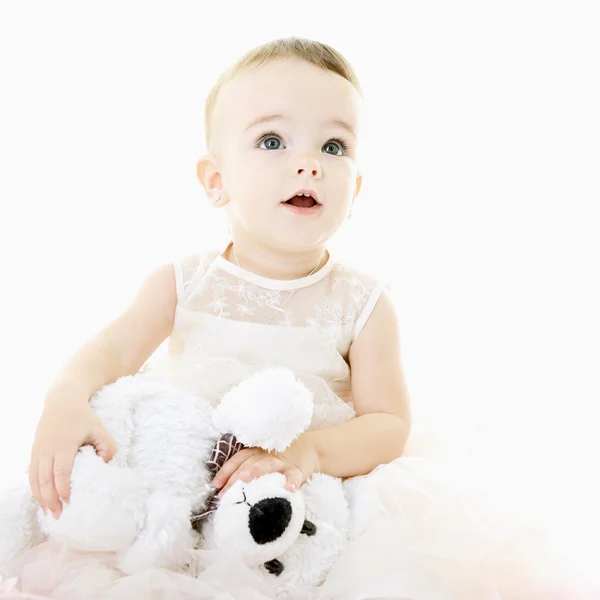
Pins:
x: 106, y: 512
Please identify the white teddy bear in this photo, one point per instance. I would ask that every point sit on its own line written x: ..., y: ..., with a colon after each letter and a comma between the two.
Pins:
x: 151, y: 503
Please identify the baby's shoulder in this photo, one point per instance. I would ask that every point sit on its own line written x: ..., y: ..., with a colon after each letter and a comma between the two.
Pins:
x: 345, y: 276
x: 351, y: 297
x: 190, y: 268
x: 192, y: 262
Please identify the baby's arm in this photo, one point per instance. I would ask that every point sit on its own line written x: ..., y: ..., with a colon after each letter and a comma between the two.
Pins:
x: 378, y: 435
x: 67, y: 422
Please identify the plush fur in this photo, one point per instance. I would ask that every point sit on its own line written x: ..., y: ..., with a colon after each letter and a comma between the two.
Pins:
x: 139, y: 504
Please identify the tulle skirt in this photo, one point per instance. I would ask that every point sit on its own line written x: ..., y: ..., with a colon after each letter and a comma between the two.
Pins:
x: 424, y: 532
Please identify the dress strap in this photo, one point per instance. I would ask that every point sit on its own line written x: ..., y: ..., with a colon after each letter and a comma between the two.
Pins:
x: 178, y: 267
x: 366, y: 312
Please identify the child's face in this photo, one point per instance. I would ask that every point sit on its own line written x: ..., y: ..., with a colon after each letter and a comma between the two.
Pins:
x: 308, y: 116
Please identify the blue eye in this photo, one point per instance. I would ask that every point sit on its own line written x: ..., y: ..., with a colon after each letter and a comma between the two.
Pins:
x: 270, y: 142
x: 335, y: 147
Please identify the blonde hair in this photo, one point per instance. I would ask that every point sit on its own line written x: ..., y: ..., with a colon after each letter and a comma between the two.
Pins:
x: 317, y: 53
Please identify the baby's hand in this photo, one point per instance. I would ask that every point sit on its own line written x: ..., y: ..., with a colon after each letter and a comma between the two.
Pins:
x: 297, y: 463
x: 62, y: 429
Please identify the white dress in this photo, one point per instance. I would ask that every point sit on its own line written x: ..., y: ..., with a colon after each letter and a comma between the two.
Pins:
x: 424, y: 533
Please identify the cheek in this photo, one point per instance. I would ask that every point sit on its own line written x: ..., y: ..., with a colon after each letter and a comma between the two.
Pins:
x: 343, y: 180
x: 250, y: 176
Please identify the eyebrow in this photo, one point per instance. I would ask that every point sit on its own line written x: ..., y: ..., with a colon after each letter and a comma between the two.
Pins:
x: 343, y: 125
x: 276, y: 117
x: 264, y: 119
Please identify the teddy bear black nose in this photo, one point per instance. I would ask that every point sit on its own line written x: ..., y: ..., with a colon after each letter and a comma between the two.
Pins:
x: 269, y: 519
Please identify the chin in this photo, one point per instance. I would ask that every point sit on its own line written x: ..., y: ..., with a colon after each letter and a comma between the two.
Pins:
x: 299, y: 241
x: 300, y: 236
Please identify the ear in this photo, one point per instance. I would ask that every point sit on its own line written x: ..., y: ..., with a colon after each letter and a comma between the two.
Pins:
x: 209, y: 176
x: 357, y: 187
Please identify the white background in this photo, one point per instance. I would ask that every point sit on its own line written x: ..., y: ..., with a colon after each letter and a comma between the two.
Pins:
x: 480, y: 199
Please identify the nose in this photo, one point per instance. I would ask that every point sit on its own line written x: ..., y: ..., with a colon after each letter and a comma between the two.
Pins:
x: 309, y: 166
x: 269, y: 518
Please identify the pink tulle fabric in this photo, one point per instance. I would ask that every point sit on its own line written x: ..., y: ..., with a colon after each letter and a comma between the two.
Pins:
x: 428, y: 539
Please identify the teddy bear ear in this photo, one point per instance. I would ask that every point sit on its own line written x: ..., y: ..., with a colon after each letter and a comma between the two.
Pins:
x: 275, y: 567
x: 269, y: 409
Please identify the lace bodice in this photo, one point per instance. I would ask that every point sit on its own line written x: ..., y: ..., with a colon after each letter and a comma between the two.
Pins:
x: 229, y: 322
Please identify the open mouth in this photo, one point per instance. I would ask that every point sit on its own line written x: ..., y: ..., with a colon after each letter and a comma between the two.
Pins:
x: 302, y: 201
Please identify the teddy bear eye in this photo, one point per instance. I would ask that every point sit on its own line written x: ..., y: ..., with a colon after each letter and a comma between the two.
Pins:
x: 309, y: 528
x: 275, y: 567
